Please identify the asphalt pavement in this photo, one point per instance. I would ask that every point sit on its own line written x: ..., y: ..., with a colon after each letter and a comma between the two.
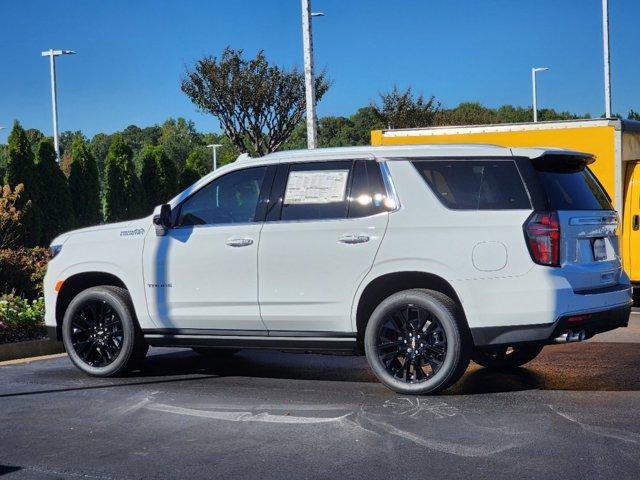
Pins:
x: 573, y: 413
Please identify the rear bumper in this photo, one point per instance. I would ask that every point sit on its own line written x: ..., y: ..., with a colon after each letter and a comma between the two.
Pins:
x: 592, y: 322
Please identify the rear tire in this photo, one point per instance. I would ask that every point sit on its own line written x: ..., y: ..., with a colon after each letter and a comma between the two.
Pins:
x: 100, y: 332
x: 500, y: 358
x: 417, y: 343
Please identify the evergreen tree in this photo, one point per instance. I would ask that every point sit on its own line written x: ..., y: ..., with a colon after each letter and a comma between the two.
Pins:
x: 21, y: 169
x: 149, y: 177
x: 54, y: 199
x: 123, y: 197
x: 194, y: 169
x: 84, y: 185
x: 158, y: 176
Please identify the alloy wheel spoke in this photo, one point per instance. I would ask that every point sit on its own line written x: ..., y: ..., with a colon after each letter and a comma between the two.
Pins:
x: 412, y: 344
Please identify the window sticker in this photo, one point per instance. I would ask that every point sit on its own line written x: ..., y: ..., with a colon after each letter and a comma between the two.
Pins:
x: 319, y: 186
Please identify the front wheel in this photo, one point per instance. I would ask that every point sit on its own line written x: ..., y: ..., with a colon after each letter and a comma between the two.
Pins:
x: 506, y: 356
x: 416, y: 342
x: 100, y: 333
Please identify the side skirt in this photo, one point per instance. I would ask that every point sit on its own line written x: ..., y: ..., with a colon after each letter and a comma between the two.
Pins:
x: 277, y: 340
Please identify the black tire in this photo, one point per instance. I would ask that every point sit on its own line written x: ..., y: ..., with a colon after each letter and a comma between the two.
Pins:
x: 101, y: 334
x: 210, y: 352
x: 505, y: 357
x: 436, y: 331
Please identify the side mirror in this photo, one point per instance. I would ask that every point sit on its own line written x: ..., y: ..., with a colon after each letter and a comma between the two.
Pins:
x: 162, y: 221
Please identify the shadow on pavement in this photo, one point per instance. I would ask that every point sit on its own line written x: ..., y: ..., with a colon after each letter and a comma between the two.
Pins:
x: 575, y: 367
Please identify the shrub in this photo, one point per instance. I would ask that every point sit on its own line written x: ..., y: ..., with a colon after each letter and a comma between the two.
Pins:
x: 21, y: 319
x: 22, y: 271
x: 22, y: 169
x: 11, y: 215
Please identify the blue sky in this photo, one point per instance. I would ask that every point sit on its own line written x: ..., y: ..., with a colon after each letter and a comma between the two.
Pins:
x: 132, y: 54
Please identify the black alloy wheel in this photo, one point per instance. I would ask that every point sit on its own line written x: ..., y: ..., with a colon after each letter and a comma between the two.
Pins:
x: 97, y: 333
x: 101, y: 333
x: 411, y: 344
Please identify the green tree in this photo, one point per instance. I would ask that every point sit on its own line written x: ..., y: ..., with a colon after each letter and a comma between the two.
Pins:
x: 66, y: 140
x: 84, y: 185
x: 258, y: 104
x: 54, y: 199
x: 633, y: 115
x: 193, y: 171
x: 21, y: 169
x: 123, y: 198
x: 158, y: 176
x: 178, y: 139
x: 34, y: 136
x: 400, y: 109
x: 99, y: 146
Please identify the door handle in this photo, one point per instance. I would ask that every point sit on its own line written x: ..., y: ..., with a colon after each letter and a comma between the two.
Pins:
x: 353, y: 239
x: 635, y: 222
x: 239, y: 242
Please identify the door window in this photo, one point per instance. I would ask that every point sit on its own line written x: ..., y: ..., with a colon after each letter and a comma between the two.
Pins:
x: 232, y: 198
x: 317, y: 191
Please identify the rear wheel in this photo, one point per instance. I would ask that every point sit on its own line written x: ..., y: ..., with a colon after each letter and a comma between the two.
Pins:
x: 416, y: 342
x: 100, y: 333
x: 506, y: 356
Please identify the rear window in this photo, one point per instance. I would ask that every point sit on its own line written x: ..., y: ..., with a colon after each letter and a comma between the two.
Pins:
x: 572, y: 187
x: 475, y: 184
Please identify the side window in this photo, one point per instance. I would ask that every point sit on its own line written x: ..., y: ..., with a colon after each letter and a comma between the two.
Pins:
x: 232, y: 198
x: 317, y: 191
x: 368, y: 193
x: 475, y: 184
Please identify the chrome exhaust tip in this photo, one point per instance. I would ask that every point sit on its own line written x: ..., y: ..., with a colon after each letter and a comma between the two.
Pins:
x: 570, y: 337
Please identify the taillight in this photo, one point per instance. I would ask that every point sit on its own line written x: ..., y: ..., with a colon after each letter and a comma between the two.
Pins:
x: 542, y: 232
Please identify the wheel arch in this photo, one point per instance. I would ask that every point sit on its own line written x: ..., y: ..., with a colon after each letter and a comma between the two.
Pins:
x: 387, y: 284
x: 77, y: 283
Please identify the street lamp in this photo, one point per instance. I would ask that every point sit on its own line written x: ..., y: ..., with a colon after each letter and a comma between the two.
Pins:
x: 52, y: 54
x: 607, y: 63
x: 534, y: 71
x: 309, y: 83
x: 215, y: 146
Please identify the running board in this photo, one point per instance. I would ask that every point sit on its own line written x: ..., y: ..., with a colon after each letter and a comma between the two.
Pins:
x: 302, y: 341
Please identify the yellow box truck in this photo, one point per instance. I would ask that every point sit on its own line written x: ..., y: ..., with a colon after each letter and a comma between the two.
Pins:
x: 615, y: 144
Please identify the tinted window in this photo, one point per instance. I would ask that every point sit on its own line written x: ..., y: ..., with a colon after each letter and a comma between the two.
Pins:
x: 317, y: 190
x: 231, y: 198
x: 368, y: 194
x: 573, y: 190
x: 475, y: 184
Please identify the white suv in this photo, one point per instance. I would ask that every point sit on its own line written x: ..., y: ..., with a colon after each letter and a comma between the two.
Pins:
x: 421, y: 257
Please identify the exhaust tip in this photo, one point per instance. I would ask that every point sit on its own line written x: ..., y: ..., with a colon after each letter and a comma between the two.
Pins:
x: 571, y: 337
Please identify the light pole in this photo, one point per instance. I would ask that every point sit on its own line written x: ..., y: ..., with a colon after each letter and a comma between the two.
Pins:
x: 534, y: 72
x: 215, y: 146
x: 52, y: 54
x: 309, y: 82
x: 607, y: 63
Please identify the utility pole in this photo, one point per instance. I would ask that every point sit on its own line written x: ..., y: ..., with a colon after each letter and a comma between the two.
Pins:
x: 52, y: 54
x: 215, y: 146
x: 534, y: 72
x: 309, y: 81
x: 607, y: 62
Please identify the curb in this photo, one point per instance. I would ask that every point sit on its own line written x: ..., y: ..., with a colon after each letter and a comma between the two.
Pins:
x: 31, y: 348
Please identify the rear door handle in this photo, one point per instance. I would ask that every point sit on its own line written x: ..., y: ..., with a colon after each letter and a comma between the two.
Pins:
x: 239, y: 242
x: 635, y: 222
x: 353, y: 239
